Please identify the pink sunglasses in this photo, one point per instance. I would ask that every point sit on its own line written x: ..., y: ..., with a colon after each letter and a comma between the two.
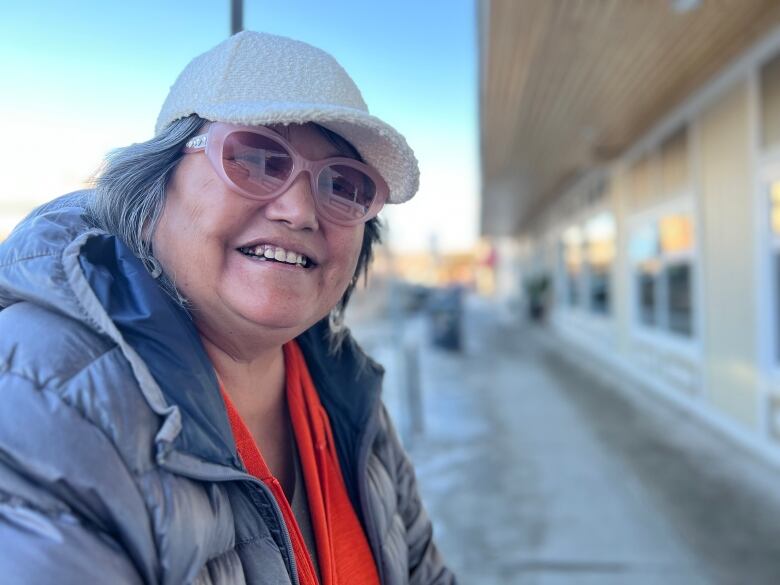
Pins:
x: 260, y: 164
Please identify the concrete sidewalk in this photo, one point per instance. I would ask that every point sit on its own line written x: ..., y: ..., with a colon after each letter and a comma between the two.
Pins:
x: 535, y: 473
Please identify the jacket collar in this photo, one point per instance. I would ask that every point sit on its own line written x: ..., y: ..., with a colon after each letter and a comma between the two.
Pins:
x: 349, y: 384
x: 166, y: 340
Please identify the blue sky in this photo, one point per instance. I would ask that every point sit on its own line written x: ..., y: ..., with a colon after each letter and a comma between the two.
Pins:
x: 81, y: 77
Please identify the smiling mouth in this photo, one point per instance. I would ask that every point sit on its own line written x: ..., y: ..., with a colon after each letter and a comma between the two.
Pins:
x: 270, y: 253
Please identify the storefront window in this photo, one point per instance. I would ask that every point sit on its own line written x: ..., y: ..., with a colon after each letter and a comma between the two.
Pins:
x: 677, y: 240
x: 662, y: 254
x: 676, y: 234
x: 572, y: 260
x: 648, y: 306
x: 599, y: 291
x: 775, y: 208
x: 644, y: 253
x: 678, y: 290
x: 600, y: 237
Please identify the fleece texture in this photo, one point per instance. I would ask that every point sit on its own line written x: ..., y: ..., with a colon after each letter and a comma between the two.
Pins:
x: 261, y: 79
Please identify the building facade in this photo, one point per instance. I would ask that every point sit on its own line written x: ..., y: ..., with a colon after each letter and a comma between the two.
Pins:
x: 663, y: 258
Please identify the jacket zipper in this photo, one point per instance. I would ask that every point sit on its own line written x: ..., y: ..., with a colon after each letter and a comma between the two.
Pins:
x: 231, y: 475
x: 363, y: 454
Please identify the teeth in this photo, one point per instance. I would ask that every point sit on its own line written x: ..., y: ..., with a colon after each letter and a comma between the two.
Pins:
x: 278, y: 254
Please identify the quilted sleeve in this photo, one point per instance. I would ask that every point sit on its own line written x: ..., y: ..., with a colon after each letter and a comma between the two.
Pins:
x: 69, y: 511
x: 426, y: 566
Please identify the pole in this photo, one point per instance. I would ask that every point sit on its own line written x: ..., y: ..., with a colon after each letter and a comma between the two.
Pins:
x: 236, y: 16
x: 414, y: 402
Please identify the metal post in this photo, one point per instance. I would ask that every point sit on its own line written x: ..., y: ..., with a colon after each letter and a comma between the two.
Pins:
x: 413, y: 390
x: 236, y: 16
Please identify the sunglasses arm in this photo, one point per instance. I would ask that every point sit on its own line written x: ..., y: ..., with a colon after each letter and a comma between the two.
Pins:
x: 196, y: 143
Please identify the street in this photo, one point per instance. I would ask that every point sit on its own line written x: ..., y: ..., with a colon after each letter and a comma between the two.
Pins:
x: 536, y: 473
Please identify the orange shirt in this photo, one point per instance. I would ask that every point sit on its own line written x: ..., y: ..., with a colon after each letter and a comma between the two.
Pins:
x: 344, y: 555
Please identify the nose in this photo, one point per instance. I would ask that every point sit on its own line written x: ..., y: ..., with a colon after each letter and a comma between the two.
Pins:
x: 295, y: 206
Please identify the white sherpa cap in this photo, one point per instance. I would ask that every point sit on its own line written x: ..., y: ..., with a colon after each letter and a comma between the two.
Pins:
x: 259, y: 79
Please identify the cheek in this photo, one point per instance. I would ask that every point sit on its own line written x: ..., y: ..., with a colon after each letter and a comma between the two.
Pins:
x: 174, y: 241
x: 348, y: 259
x: 161, y: 240
x: 168, y: 250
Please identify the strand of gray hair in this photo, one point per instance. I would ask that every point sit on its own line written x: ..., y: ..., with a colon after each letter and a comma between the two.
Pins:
x: 130, y: 191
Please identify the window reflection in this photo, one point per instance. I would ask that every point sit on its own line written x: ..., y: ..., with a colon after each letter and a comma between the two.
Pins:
x: 775, y: 204
x: 572, y: 258
x: 662, y: 253
x: 647, y: 300
x: 587, y: 256
x: 678, y: 289
x: 600, y: 236
x: 676, y: 233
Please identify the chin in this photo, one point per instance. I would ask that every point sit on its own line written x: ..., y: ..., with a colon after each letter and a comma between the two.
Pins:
x: 282, y: 310
x: 294, y: 321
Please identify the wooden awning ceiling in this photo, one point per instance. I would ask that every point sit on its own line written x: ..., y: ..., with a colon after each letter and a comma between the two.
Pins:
x: 569, y: 84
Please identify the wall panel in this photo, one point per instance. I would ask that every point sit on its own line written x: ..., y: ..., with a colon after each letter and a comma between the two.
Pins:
x: 728, y: 266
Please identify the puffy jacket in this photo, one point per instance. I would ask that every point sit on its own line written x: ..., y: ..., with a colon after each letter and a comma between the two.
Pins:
x: 117, y: 461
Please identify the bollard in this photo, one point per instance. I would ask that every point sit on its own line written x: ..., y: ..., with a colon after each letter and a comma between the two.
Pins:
x: 414, y: 405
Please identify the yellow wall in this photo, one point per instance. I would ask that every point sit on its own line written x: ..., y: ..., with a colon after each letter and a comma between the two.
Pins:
x: 661, y: 174
x: 675, y: 162
x: 728, y: 269
x: 643, y: 189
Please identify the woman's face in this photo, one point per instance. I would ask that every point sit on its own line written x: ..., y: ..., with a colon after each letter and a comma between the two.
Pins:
x: 207, y: 235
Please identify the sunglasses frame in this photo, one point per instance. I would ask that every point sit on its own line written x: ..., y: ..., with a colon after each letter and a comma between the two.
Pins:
x: 213, y: 143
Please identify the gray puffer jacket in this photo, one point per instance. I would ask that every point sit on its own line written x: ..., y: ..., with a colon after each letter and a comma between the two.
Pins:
x: 117, y: 462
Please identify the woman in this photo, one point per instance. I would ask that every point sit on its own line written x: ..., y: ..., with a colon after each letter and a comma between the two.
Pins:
x: 182, y: 404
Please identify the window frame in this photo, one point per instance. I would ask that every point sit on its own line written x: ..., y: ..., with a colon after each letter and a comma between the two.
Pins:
x: 563, y: 270
x: 683, y: 203
x: 584, y: 305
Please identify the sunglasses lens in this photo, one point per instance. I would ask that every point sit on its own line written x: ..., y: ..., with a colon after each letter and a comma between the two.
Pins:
x: 256, y: 163
x: 345, y: 192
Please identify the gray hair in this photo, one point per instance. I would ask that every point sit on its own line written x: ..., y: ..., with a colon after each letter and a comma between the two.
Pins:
x: 130, y: 197
x: 130, y: 192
